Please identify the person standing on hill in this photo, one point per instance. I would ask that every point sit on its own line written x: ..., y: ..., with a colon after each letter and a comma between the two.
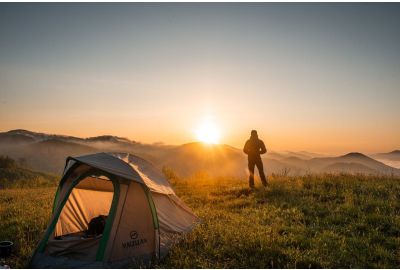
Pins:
x: 254, y: 148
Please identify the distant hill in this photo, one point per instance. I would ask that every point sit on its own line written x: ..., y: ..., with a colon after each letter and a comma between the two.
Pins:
x: 356, y: 163
x: 108, y: 138
x: 226, y: 160
x: 289, y: 154
x: 351, y: 168
x: 393, y: 156
x: 6, y: 138
x: 297, y: 162
x: 52, y: 144
x: 47, y: 153
x: 38, y: 136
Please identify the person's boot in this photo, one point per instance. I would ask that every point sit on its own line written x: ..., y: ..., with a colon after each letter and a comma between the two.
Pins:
x: 264, y: 181
x: 265, y: 184
x: 251, y: 183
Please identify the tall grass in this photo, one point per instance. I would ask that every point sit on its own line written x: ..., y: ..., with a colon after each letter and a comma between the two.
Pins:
x: 24, y: 214
x: 327, y: 221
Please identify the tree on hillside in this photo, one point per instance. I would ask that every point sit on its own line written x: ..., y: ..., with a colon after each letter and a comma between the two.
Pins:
x: 7, y: 162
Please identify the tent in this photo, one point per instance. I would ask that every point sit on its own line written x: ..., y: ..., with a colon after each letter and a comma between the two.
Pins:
x: 143, y: 215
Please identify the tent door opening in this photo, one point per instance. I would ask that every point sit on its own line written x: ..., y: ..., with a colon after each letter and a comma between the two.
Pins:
x: 83, y: 218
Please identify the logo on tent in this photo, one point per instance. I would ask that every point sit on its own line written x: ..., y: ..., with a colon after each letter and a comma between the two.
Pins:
x: 135, y: 242
x: 134, y: 235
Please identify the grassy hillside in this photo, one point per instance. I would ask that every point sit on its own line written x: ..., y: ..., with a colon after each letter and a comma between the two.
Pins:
x: 331, y: 221
x: 12, y: 175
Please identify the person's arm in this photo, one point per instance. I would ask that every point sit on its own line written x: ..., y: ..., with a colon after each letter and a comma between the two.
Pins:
x: 246, y: 148
x: 263, y: 150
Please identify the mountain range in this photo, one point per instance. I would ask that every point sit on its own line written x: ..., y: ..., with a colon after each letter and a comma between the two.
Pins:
x: 47, y: 153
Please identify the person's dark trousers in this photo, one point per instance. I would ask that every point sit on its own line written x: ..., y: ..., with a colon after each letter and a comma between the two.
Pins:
x: 256, y: 161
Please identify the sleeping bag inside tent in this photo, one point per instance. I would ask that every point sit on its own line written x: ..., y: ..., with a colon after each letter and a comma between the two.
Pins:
x: 111, y: 210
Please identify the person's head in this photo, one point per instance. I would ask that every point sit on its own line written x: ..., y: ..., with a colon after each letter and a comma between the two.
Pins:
x: 254, y: 134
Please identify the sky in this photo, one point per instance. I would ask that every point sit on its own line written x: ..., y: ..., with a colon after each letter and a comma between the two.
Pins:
x: 315, y: 77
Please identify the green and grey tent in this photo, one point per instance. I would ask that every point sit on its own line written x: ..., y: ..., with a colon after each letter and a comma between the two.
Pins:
x: 143, y: 214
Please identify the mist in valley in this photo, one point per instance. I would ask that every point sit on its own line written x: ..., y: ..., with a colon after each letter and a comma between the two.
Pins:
x: 47, y: 153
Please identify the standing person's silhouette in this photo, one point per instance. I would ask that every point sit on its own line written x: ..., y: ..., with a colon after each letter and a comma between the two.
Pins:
x: 255, y: 147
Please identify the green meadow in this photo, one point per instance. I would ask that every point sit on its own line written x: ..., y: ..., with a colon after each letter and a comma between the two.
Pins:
x: 326, y: 221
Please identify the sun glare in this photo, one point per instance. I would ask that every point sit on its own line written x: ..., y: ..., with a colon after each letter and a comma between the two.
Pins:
x: 208, y: 132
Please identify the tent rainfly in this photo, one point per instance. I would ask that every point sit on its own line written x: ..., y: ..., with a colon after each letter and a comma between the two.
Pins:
x: 141, y: 214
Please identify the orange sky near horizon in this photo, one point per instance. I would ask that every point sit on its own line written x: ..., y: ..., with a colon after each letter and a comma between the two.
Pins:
x: 182, y: 130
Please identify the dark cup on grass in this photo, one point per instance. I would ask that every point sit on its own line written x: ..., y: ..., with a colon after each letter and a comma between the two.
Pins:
x: 5, y: 249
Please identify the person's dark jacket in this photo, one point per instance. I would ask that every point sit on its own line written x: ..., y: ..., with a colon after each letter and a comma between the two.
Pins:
x: 254, y: 147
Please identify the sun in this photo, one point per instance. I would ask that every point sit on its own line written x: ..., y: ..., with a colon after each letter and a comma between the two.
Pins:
x: 208, y: 132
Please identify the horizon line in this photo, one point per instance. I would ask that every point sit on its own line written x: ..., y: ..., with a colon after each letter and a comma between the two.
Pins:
x: 191, y: 142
